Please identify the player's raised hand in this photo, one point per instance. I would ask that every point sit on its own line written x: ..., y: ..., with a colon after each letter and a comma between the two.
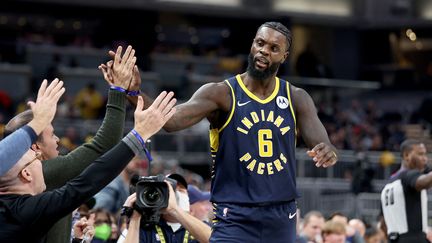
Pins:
x: 323, y: 155
x: 136, y: 80
x: 106, y: 70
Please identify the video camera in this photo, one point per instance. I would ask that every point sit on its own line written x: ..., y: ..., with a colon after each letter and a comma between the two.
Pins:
x: 152, y: 195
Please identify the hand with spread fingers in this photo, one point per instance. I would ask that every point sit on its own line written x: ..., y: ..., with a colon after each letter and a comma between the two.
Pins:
x: 323, y: 155
x: 151, y: 120
x: 45, y: 107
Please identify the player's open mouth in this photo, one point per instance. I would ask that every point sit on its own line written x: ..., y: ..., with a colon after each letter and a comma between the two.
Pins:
x: 261, y: 62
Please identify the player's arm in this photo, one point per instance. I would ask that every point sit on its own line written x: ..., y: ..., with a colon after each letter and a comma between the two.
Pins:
x: 207, y: 99
x: 424, y: 182
x: 312, y: 130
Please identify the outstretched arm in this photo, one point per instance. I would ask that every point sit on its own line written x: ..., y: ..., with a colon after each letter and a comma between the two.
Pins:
x: 206, y: 100
x: 312, y: 130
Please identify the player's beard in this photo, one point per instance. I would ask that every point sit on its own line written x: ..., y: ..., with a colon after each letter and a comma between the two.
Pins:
x: 258, y: 74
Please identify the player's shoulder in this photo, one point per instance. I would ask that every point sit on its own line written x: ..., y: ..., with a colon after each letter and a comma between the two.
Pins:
x: 216, y: 88
x: 299, y: 96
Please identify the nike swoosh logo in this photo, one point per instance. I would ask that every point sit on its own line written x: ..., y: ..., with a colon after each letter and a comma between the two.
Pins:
x: 292, y: 215
x: 242, y: 104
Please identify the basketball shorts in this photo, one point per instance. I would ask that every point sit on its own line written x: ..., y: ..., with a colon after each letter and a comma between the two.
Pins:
x: 254, y: 224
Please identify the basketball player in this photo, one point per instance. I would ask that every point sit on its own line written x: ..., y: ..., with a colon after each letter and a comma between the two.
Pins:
x: 404, y: 198
x: 254, y: 119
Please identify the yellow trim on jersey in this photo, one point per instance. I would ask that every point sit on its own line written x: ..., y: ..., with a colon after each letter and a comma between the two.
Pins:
x: 292, y: 110
x: 214, y: 132
x: 214, y: 140
x: 232, y: 107
x: 253, y: 96
x: 290, y: 103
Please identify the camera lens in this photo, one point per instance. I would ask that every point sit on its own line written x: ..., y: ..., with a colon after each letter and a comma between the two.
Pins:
x: 151, y: 196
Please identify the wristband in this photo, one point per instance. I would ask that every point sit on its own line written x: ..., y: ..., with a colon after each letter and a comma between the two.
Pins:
x: 126, y: 211
x: 141, y: 140
x: 133, y: 92
x: 118, y: 88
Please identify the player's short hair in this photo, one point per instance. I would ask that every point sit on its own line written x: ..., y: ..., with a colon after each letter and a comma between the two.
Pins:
x: 281, y: 29
x: 407, y: 145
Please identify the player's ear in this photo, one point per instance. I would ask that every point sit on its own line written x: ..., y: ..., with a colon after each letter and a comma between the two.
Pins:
x: 285, y: 56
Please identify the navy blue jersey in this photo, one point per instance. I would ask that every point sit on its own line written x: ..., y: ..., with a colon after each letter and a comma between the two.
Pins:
x: 254, y: 151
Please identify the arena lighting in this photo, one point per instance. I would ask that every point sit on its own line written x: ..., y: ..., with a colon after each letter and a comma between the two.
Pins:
x: 408, y: 32
x: 340, y: 8
x: 222, y: 3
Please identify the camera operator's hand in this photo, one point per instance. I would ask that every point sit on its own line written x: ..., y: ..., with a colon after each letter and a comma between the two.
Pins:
x: 172, y: 202
x: 134, y: 223
x: 151, y: 120
x: 198, y: 229
x: 130, y: 201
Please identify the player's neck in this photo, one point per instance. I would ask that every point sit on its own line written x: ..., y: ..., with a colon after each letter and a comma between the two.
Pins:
x: 261, y: 88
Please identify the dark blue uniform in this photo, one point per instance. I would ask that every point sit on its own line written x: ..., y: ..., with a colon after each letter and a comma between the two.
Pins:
x: 254, y: 167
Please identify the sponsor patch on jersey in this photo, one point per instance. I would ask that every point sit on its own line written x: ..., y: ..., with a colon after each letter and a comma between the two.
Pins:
x: 282, y: 102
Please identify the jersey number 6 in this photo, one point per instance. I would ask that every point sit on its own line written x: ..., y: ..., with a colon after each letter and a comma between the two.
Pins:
x: 265, y: 143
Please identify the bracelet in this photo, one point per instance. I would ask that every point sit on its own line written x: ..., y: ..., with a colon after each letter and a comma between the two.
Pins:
x: 141, y: 140
x: 133, y: 92
x: 118, y: 88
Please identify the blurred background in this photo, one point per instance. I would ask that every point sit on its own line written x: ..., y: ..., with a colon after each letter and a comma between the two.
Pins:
x: 366, y: 63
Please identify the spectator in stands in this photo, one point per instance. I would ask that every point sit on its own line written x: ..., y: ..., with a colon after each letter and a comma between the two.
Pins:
x: 27, y: 212
x: 404, y: 198
x: 83, y: 230
x: 358, y: 225
x: 102, y: 225
x: 334, y: 232
x: 352, y: 235
x: 14, y: 146
x: 113, y: 196
x: 58, y: 170
x: 373, y: 235
x: 175, y: 225
x: 89, y: 101
x: 70, y: 140
x: 313, y: 223
x: 200, y: 206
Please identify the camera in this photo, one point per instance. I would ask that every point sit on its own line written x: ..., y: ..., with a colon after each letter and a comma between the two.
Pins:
x: 152, y: 195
